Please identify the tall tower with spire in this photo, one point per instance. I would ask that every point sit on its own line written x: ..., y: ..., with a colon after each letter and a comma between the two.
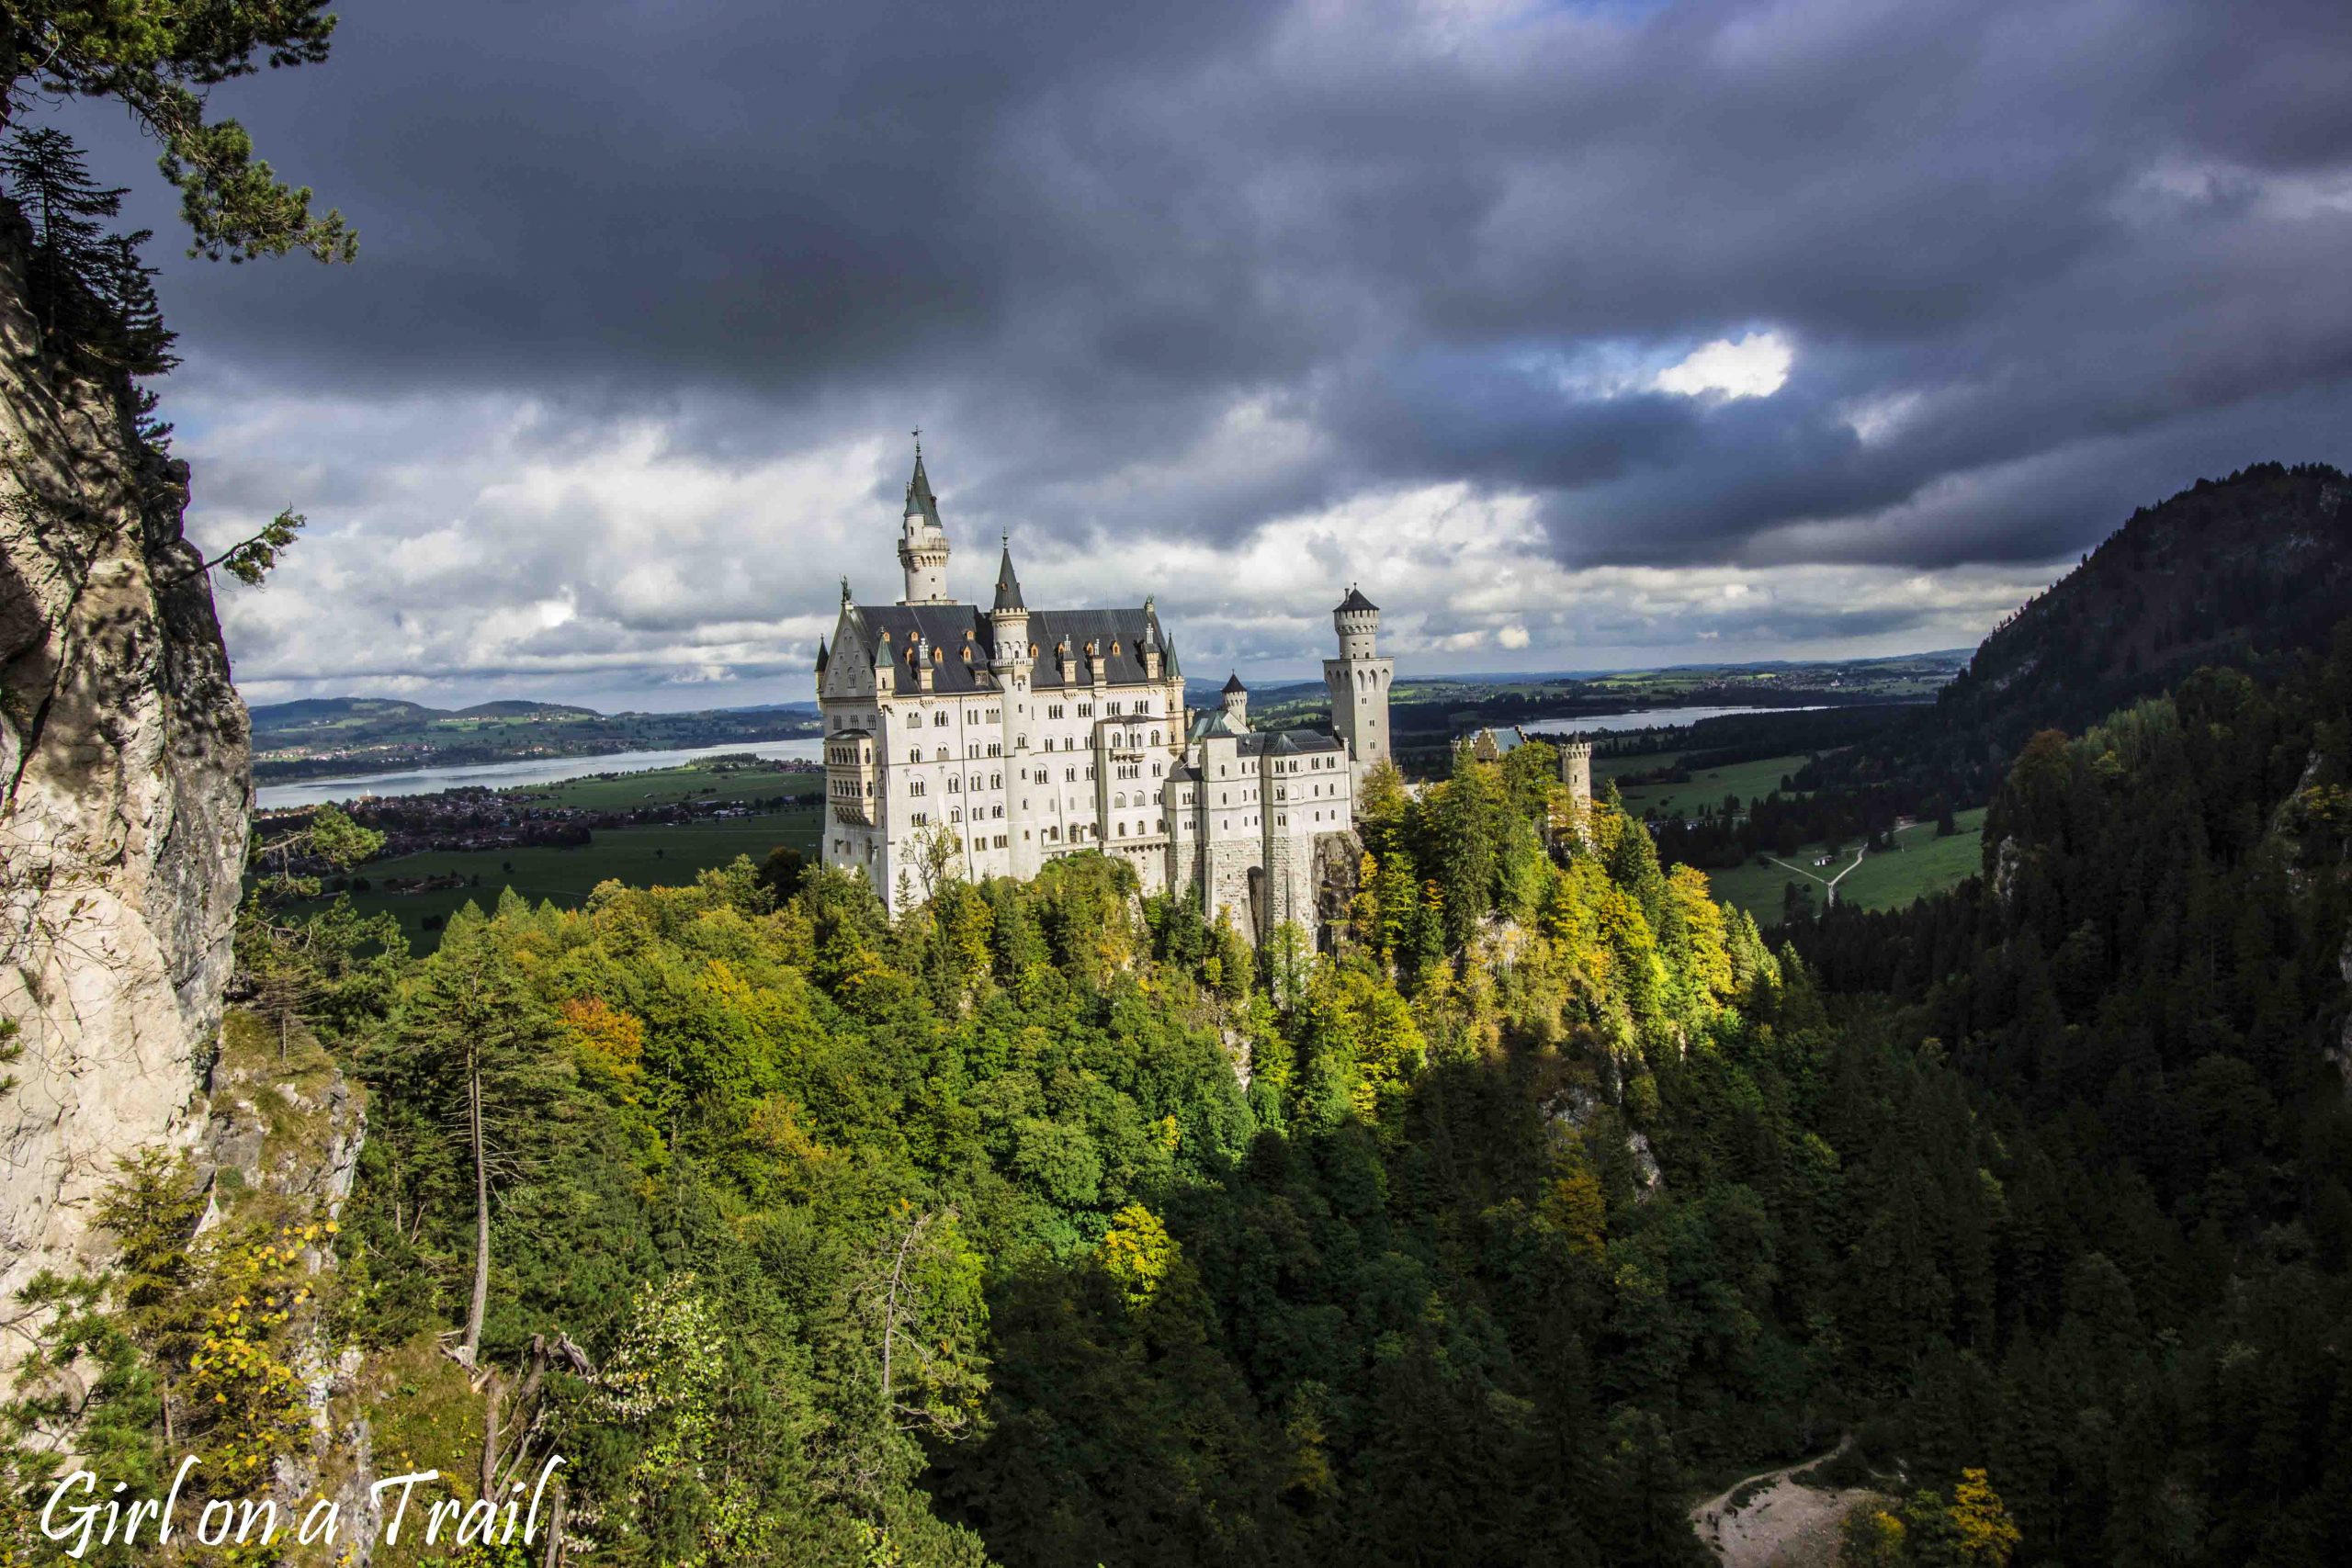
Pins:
x: 1358, y: 681
x: 923, y: 543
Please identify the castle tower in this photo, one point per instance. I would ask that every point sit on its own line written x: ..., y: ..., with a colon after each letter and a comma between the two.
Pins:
x: 1358, y: 681
x: 1576, y: 770
x: 1008, y: 620
x: 923, y: 543
x: 1237, y: 702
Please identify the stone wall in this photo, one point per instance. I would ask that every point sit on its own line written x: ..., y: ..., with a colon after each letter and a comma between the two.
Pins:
x: 123, y: 759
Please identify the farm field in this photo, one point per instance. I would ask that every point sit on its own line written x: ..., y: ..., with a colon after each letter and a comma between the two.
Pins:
x: 1749, y: 780
x: 712, y: 780
x: 1885, y: 880
x: 640, y: 856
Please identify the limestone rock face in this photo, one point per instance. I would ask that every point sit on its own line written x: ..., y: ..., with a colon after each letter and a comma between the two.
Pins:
x: 124, y: 787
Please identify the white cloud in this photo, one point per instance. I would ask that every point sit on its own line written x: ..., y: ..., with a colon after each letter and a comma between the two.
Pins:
x: 1755, y: 367
x: 620, y: 566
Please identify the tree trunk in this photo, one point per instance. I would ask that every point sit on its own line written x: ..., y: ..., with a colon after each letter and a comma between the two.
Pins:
x: 472, y: 1345
x: 491, y: 1393
x: 554, y: 1558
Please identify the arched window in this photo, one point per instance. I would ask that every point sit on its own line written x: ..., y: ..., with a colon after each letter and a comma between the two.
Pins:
x: 942, y: 754
x: 939, y: 719
x: 914, y: 754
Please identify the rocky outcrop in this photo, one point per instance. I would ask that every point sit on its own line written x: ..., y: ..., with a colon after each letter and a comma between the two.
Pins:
x: 124, y: 786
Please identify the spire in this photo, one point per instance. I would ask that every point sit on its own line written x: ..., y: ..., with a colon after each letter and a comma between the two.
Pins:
x: 822, y: 657
x: 1008, y: 585
x: 1356, y: 601
x: 918, y: 497
x: 1234, y: 685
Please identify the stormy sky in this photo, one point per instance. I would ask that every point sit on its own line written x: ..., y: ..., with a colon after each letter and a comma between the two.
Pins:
x: 1583, y: 336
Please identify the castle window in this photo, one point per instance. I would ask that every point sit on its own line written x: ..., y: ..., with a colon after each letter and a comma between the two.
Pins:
x: 955, y: 783
x: 1123, y: 829
x: 914, y: 754
x: 915, y: 788
x: 955, y: 814
x: 1086, y: 710
x: 939, y: 719
x: 942, y: 754
x: 920, y: 818
x: 1070, y: 775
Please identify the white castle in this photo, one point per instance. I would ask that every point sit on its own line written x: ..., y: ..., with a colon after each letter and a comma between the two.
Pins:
x: 1027, y: 734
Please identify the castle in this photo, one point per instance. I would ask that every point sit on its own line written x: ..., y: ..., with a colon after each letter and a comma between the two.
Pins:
x: 998, y: 740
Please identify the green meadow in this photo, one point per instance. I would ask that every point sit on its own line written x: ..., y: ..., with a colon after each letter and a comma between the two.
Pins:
x: 1749, y: 780
x: 640, y: 856
x: 1887, y: 879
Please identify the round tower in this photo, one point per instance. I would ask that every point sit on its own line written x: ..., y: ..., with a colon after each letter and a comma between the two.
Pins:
x: 1357, y: 681
x: 1576, y: 770
x: 1237, y: 702
x: 923, y: 542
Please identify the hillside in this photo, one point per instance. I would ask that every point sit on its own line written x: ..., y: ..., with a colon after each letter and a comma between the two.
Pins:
x: 2250, y: 571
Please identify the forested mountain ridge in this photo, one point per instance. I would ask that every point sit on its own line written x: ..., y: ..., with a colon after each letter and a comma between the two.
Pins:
x: 2252, y: 571
x: 2147, y: 992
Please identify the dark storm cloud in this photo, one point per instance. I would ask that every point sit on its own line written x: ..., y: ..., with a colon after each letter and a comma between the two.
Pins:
x: 1190, y: 268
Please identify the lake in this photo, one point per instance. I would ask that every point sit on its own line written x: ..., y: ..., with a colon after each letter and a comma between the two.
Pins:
x: 1646, y: 719
x: 530, y: 771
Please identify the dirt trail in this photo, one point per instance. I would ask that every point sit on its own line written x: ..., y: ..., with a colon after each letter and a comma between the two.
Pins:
x: 1782, y: 1524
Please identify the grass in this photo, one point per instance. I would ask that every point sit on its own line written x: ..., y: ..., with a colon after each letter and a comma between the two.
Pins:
x: 641, y: 857
x: 1749, y: 780
x: 710, y: 780
x: 1886, y: 880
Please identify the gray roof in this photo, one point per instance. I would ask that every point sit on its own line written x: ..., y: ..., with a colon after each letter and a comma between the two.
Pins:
x: 1008, y: 585
x: 1356, y: 601
x: 1118, y: 632
x: 1287, y: 742
x: 1233, y: 683
x: 919, y: 496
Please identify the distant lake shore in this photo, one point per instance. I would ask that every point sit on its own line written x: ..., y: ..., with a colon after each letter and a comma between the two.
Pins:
x: 528, y: 771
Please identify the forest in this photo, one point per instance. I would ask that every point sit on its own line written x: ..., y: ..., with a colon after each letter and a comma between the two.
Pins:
x: 1048, y: 1224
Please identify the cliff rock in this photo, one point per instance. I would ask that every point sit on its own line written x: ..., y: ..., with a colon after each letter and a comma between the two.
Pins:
x: 124, y: 786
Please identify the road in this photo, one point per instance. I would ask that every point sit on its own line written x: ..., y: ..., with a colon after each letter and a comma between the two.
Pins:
x: 1780, y: 1521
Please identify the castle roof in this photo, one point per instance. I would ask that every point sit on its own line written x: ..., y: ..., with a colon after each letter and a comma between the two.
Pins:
x: 1117, y: 634
x: 919, y: 496
x: 1007, y: 586
x: 1234, y: 685
x: 1356, y: 601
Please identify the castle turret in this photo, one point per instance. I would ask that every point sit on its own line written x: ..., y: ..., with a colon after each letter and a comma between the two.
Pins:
x: 1009, y: 624
x: 1576, y: 770
x: 1237, y: 702
x: 923, y: 542
x: 1358, y: 681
